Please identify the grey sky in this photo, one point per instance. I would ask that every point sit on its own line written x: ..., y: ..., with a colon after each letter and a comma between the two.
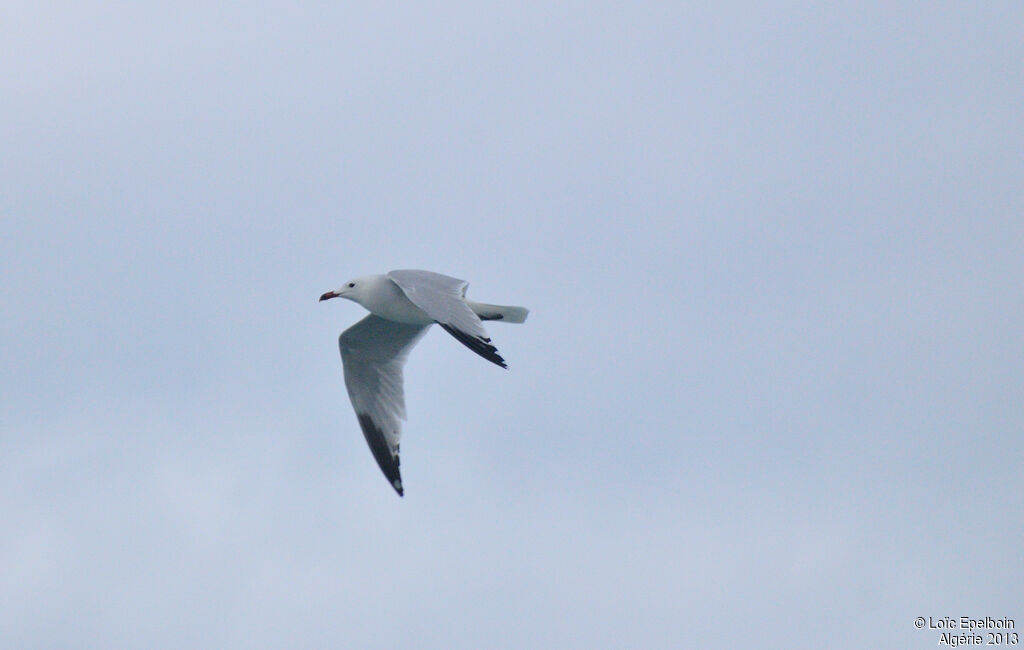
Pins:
x: 770, y: 393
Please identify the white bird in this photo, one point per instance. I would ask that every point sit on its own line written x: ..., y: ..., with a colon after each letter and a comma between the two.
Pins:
x: 403, y: 305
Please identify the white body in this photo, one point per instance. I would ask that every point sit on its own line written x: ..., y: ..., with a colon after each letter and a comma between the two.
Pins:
x: 382, y: 297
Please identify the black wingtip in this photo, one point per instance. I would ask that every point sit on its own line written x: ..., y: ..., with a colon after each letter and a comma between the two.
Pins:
x: 479, y: 345
x: 387, y: 462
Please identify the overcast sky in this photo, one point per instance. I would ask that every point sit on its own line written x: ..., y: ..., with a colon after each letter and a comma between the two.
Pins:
x: 770, y: 393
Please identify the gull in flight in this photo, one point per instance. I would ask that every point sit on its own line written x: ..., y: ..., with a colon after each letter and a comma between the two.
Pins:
x: 403, y: 305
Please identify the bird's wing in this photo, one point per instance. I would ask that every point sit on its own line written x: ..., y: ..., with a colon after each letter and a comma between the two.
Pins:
x: 373, y: 352
x: 443, y: 299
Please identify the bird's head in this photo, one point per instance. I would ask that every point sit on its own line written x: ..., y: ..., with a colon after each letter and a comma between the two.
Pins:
x: 354, y: 290
x: 347, y: 290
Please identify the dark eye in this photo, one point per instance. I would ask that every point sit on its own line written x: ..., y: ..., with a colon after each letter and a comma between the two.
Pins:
x: 351, y: 284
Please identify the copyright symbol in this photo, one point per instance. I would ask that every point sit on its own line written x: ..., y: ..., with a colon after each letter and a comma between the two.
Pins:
x: 919, y: 622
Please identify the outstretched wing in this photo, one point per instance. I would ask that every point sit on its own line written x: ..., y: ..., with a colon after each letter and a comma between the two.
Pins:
x: 443, y: 299
x: 373, y: 352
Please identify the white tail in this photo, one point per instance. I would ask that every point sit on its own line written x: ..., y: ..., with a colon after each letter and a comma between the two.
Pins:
x: 498, y: 312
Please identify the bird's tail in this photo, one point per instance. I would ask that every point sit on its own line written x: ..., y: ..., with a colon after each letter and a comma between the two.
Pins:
x: 498, y: 312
